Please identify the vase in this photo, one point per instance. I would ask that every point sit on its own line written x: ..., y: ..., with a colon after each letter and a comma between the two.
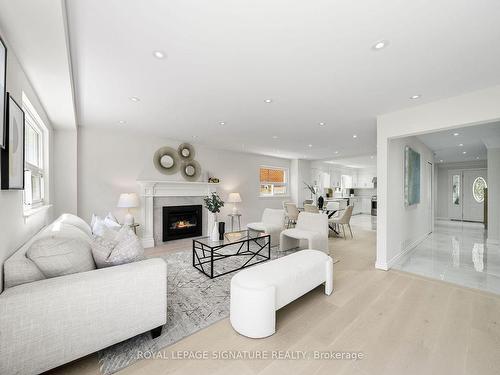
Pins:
x: 222, y: 230
x: 215, y: 230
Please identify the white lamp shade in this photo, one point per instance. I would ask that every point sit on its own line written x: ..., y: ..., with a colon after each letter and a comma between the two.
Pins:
x: 234, y: 198
x: 128, y: 200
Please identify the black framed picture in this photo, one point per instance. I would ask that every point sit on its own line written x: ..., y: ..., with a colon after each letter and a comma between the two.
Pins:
x: 3, y: 92
x: 13, y: 153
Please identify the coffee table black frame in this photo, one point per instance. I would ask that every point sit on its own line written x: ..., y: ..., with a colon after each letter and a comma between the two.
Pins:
x: 207, y: 252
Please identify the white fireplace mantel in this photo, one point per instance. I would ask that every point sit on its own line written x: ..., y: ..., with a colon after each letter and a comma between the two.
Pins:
x: 151, y: 189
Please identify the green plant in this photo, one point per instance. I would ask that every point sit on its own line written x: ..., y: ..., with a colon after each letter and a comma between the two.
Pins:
x: 213, y: 202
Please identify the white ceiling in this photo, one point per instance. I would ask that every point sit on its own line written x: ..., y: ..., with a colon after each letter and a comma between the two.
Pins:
x: 314, y: 59
x: 36, y: 30
x: 365, y: 161
x: 446, y: 146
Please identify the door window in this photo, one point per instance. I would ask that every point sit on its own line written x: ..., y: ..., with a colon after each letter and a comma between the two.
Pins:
x: 478, y: 187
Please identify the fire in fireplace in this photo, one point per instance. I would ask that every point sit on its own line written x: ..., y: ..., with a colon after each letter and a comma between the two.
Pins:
x: 182, y: 222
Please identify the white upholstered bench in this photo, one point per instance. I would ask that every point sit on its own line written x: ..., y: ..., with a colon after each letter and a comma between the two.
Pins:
x: 257, y: 292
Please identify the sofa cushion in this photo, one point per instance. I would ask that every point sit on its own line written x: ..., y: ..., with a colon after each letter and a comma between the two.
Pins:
x: 75, y: 221
x: 20, y: 270
x: 58, y: 256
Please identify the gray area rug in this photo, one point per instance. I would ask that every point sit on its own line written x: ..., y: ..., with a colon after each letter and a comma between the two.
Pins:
x: 194, y: 301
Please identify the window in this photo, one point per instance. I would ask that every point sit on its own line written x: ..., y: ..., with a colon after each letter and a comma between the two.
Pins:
x: 478, y: 187
x: 35, y: 146
x: 273, y: 181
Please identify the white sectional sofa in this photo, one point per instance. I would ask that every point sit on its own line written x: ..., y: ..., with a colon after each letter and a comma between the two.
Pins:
x: 52, y: 321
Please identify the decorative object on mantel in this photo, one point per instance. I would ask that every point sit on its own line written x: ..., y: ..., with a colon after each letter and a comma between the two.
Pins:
x: 191, y: 170
x: 312, y: 189
x: 3, y: 93
x: 13, y: 154
x: 213, y: 180
x: 166, y: 160
x: 213, y: 203
x: 234, y: 198
x: 128, y: 201
x: 186, y: 151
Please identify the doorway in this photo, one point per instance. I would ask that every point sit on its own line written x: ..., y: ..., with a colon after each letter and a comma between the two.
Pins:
x: 466, y: 194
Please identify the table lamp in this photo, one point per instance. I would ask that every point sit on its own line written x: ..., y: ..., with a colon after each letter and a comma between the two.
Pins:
x: 234, y: 198
x: 128, y: 201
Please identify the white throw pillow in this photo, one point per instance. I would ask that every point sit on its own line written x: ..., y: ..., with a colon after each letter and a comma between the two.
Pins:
x: 58, y: 256
x: 124, y: 247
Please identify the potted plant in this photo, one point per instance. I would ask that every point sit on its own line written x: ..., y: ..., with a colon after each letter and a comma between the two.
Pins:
x: 213, y: 203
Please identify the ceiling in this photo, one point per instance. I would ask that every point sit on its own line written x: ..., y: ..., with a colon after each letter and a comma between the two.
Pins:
x: 313, y: 59
x: 449, y: 146
x: 366, y: 161
x: 36, y: 31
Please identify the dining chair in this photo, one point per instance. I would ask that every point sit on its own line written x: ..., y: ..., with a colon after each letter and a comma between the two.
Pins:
x: 344, y: 219
x: 292, y: 213
x: 311, y: 208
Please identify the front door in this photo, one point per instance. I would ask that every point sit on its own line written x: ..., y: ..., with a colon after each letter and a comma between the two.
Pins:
x: 473, y: 194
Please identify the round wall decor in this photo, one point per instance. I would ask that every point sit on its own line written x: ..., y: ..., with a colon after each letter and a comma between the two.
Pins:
x: 191, y: 170
x: 186, y: 151
x: 166, y: 160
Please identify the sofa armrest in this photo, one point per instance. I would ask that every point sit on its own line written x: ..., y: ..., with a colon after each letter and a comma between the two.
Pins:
x: 60, y: 319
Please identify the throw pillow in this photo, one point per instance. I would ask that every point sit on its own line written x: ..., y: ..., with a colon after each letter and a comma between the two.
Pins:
x: 125, y: 247
x: 57, y: 256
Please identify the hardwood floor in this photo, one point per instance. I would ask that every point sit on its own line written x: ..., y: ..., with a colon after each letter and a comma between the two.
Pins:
x: 402, y: 323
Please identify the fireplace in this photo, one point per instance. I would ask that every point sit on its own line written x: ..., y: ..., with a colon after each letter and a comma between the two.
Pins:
x: 182, y: 222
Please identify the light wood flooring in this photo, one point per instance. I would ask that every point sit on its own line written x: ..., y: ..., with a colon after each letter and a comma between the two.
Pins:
x: 404, y: 324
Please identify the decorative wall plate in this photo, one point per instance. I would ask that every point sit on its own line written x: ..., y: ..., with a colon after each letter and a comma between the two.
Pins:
x: 186, y: 151
x: 191, y: 170
x: 166, y: 160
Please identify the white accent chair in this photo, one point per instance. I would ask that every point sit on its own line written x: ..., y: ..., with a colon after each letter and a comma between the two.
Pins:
x: 292, y: 214
x: 257, y: 292
x: 272, y: 223
x: 310, y: 227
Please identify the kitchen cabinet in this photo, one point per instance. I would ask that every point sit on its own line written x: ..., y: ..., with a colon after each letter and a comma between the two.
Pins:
x: 356, y: 202
x: 366, y: 205
x: 335, y: 178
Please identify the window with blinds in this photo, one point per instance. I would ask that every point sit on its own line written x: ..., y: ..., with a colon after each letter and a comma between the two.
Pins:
x: 273, y: 181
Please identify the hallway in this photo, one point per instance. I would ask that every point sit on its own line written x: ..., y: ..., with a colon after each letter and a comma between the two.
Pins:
x: 457, y: 253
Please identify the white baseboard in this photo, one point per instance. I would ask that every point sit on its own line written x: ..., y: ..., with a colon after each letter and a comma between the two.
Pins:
x: 407, y: 249
x: 381, y: 266
x: 148, y: 242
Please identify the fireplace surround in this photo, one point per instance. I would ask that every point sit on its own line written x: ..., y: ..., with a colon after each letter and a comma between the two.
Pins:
x: 182, y: 222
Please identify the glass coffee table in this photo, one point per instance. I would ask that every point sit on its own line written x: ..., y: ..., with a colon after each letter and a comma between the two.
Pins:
x: 236, y: 251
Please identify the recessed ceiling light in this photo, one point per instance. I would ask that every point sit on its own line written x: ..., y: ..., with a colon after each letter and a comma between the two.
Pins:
x: 321, y: 124
x: 355, y: 136
x: 268, y: 101
x: 477, y: 157
x: 460, y: 145
x: 222, y: 123
x: 135, y: 99
x: 195, y: 136
x: 441, y: 161
x: 381, y: 44
x: 122, y: 122
x: 309, y: 145
x: 415, y: 97
x: 275, y: 137
x: 371, y: 157
x: 464, y: 152
x: 159, y: 54
x: 456, y: 134
x: 336, y: 152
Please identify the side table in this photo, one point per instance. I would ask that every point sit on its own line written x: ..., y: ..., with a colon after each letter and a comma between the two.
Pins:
x: 233, y: 216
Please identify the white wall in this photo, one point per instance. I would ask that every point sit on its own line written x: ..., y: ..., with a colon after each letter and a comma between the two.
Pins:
x: 15, y: 229
x: 474, y: 108
x: 110, y: 162
x: 65, y: 172
x: 493, y: 195
x: 409, y: 224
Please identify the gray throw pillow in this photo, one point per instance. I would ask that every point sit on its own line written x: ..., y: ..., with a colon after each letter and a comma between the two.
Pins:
x: 56, y: 256
x: 126, y: 247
